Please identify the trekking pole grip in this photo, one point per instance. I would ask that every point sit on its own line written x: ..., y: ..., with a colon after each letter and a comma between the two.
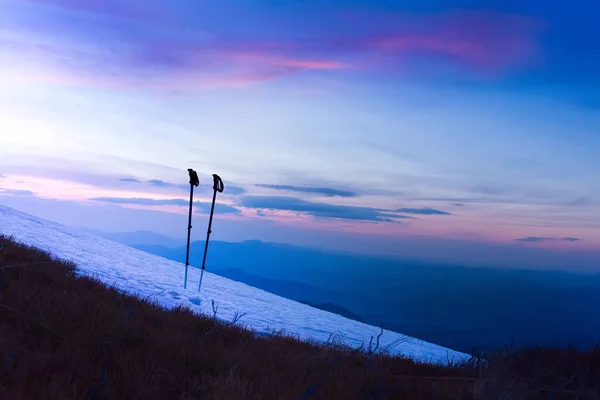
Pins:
x: 194, y: 181
x: 218, y: 183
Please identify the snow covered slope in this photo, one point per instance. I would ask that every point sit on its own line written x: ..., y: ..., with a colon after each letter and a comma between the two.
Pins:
x: 145, y: 274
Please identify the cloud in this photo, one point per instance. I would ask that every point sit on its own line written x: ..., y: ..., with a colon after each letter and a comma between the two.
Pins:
x: 320, y: 210
x: 534, y: 239
x: 489, y: 190
x: 114, y: 51
x: 233, y: 190
x: 519, y: 196
x: 142, y: 201
x: 203, y: 188
x: 203, y: 207
x: 581, y: 201
x: 159, y: 183
x: 260, y: 213
x: 329, y: 192
x: 156, y: 183
x: 485, y: 41
x: 74, y: 171
x: 422, y: 211
x: 459, y: 205
x: 109, y: 7
x: 546, y: 239
x: 163, y: 184
x: 168, y: 63
x: 16, y: 192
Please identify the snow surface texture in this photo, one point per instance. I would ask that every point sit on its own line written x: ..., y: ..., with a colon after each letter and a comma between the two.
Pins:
x: 144, y: 274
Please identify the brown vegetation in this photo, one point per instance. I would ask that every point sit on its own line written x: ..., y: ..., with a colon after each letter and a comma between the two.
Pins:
x: 68, y: 337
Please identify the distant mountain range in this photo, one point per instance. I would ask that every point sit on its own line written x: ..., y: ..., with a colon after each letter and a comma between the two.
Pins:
x: 334, y: 308
x: 139, y: 238
x: 468, y: 309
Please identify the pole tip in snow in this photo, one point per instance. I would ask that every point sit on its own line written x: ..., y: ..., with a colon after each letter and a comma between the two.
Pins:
x: 193, y: 177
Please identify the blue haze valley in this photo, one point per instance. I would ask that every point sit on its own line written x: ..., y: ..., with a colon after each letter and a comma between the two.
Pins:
x: 470, y: 309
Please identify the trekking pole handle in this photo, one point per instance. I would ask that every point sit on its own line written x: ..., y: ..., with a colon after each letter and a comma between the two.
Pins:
x: 194, y: 181
x: 218, y: 183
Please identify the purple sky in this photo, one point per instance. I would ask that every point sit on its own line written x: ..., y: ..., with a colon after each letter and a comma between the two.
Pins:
x: 453, y: 127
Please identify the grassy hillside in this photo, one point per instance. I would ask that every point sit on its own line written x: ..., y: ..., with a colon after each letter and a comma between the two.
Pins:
x: 69, y: 337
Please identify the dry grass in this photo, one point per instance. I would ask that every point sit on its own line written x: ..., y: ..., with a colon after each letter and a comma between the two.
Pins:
x: 69, y: 337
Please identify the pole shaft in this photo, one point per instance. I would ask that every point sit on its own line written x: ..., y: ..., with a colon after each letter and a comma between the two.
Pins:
x: 212, y: 210
x: 201, y: 276
x: 187, y: 252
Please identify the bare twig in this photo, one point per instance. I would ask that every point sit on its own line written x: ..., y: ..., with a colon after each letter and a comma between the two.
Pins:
x: 214, y: 308
x: 370, y: 352
x: 236, y: 317
x: 155, y: 294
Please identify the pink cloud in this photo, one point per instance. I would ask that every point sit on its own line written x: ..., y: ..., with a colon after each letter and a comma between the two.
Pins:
x: 294, y: 63
x: 483, y: 41
x: 162, y: 66
x: 477, y: 41
x: 182, y: 81
x: 471, y: 52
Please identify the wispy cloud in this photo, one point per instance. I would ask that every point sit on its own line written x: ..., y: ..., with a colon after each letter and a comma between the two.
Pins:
x: 581, y: 201
x: 546, y: 239
x: 233, y: 190
x: 16, y: 192
x: 156, y: 183
x: 321, y: 210
x: 203, y: 188
x: 203, y: 207
x: 190, y: 58
x: 329, y: 192
x: 484, y: 41
x: 110, y: 7
x: 511, y: 195
x: 422, y: 211
x: 534, y: 239
x: 170, y: 64
x: 163, y: 184
x: 571, y: 239
x: 142, y: 201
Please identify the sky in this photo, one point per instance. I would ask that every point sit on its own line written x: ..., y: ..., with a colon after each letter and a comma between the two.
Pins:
x: 447, y: 126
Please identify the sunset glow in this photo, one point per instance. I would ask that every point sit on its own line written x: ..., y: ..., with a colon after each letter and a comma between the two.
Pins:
x: 478, y: 124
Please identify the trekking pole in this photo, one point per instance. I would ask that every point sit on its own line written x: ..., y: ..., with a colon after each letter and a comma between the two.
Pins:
x: 194, y: 181
x: 217, y: 187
